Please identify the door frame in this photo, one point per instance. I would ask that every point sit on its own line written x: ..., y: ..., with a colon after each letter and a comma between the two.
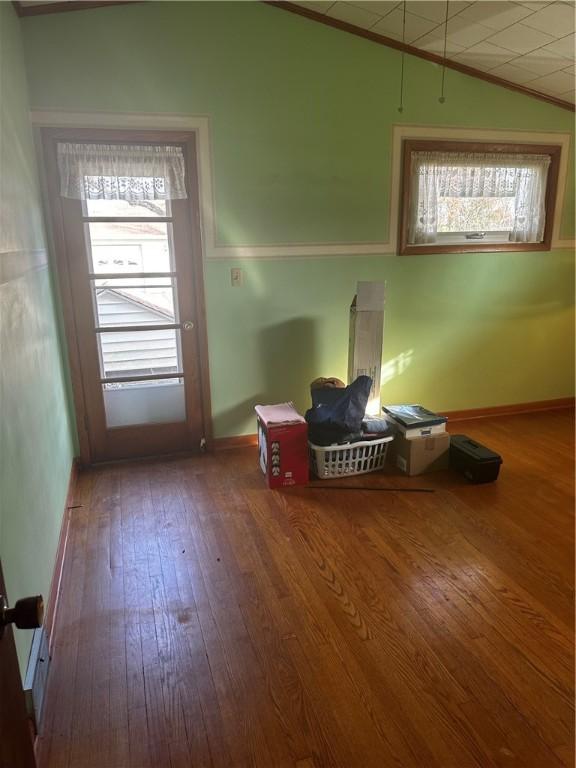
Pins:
x: 189, y: 138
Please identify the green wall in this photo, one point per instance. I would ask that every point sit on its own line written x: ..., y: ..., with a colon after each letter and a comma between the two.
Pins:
x: 36, y: 446
x: 301, y: 121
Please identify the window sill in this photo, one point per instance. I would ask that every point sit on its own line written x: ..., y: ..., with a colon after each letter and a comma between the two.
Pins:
x: 500, y: 237
x: 470, y: 247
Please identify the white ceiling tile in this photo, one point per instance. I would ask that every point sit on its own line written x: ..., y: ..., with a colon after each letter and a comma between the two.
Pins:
x: 466, y: 33
x: 434, y: 42
x: 563, y: 46
x: 316, y: 5
x: 463, y: 33
x: 495, y: 15
x: 521, y: 38
x: 568, y: 96
x: 380, y: 7
x: 353, y: 14
x: 556, y: 19
x: 572, y: 77
x: 557, y: 82
x: 391, y: 26
x: 534, y: 6
x: 514, y: 74
x: 484, y: 56
x: 541, y: 62
x: 435, y: 10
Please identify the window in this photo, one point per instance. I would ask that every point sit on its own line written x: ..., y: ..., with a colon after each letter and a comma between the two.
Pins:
x: 459, y: 196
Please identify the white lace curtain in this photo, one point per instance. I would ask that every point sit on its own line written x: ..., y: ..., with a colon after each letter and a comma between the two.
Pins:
x: 121, y: 172
x: 459, y: 174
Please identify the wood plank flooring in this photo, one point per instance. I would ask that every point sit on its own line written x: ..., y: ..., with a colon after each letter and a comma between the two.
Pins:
x: 207, y: 621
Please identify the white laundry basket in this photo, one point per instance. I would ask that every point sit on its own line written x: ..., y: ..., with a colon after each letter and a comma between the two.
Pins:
x: 349, y: 458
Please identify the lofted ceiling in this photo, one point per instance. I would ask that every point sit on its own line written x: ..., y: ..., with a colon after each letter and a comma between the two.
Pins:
x: 530, y: 44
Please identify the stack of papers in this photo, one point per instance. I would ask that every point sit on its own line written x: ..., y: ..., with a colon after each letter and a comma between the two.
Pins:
x: 276, y: 415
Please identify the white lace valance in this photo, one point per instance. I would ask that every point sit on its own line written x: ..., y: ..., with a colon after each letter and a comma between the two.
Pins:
x: 121, y: 172
x: 460, y: 174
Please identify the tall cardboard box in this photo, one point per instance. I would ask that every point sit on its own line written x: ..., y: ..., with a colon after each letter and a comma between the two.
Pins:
x: 366, y: 337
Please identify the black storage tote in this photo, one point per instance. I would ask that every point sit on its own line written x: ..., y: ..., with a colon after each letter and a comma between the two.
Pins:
x: 476, y: 462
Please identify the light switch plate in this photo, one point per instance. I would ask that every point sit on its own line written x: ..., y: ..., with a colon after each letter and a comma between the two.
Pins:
x: 236, y: 277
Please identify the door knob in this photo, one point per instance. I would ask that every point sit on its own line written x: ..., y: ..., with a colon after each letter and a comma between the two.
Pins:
x: 26, y: 614
x: 188, y: 325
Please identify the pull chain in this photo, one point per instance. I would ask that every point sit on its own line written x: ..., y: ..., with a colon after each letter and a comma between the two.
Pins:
x: 401, y: 107
x: 442, y: 98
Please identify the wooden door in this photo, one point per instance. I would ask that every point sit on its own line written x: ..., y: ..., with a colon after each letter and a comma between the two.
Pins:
x: 134, y: 289
x: 16, y: 749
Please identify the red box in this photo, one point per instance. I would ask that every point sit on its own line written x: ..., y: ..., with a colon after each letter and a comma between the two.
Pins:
x: 282, y: 445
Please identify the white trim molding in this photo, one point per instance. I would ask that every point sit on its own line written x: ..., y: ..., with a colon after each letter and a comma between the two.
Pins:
x: 200, y: 124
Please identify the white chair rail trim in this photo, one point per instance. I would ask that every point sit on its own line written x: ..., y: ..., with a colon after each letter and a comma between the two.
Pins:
x: 201, y: 125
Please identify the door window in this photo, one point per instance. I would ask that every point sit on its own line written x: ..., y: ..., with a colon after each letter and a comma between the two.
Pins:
x: 129, y: 240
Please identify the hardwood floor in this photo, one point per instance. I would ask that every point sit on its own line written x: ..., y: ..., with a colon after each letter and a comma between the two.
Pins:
x: 208, y: 621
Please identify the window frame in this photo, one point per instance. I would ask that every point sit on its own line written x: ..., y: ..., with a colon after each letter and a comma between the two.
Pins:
x: 431, y: 145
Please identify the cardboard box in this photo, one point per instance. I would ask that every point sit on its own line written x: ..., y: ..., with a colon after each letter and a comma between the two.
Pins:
x: 414, y: 420
x: 282, y: 445
x: 418, y: 455
x: 366, y: 337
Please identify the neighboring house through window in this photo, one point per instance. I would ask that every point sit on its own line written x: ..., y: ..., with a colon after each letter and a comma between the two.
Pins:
x: 130, y: 353
x: 123, y: 247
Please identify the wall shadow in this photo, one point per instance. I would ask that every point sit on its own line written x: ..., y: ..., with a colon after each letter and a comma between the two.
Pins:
x: 288, y: 358
x: 287, y: 363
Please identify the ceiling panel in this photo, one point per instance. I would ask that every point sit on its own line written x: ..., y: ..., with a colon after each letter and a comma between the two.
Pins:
x: 495, y: 15
x: 557, y: 82
x: 434, y: 42
x: 392, y: 25
x: 534, y: 6
x: 485, y: 55
x: 525, y: 42
x: 435, y: 10
x: 465, y: 32
x: 319, y: 6
x: 381, y: 7
x: 353, y: 14
x: 563, y: 46
x: 521, y: 38
x: 556, y: 19
x: 514, y: 73
x: 542, y: 62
